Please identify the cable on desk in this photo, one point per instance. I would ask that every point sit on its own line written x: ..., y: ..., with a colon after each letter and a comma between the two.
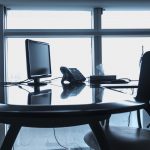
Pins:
x: 49, y: 81
x: 55, y: 78
x: 6, y: 84
x: 56, y: 85
x: 23, y: 88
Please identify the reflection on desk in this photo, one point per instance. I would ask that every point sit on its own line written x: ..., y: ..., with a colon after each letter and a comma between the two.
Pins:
x: 40, y: 98
x: 65, y: 95
x: 71, y: 89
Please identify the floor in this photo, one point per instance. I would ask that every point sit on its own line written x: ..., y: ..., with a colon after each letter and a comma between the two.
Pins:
x: 70, y: 138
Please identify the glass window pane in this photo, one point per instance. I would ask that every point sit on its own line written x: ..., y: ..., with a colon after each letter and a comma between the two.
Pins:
x: 121, y: 56
x: 125, y: 19
x: 70, y: 52
x: 48, y: 19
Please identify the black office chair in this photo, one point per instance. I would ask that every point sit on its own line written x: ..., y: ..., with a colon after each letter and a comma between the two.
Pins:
x: 128, y: 138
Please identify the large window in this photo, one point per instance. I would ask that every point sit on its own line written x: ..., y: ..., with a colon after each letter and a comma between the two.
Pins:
x: 122, y: 53
x: 65, y: 51
x: 49, y: 19
x: 70, y: 52
x: 125, y: 19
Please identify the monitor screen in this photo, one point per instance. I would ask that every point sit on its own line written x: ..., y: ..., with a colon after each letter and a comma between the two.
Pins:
x: 38, y: 59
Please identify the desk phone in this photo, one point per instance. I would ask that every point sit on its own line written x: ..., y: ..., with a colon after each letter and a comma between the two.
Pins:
x: 73, y: 75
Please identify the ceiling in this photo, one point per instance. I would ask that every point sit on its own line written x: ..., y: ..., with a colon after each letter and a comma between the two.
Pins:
x: 77, y: 4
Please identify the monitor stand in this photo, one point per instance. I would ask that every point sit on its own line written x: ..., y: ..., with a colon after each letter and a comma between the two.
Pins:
x: 37, y: 83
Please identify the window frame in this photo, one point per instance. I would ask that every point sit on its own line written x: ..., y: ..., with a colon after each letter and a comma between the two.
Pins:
x: 96, y: 33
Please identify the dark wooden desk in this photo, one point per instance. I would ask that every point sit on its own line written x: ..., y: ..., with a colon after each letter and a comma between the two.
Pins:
x: 67, y: 106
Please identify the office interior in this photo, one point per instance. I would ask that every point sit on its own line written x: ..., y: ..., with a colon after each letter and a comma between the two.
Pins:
x: 93, y: 36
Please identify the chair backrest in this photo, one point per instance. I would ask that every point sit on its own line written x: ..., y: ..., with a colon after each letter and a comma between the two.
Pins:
x: 143, y: 92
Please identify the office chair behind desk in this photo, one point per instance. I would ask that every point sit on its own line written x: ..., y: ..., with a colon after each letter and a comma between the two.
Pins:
x: 127, y: 138
x: 143, y: 92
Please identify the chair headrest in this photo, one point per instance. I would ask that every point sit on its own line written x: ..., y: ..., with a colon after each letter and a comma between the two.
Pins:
x: 143, y: 92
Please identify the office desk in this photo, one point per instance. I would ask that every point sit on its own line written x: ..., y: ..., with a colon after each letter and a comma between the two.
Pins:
x: 61, y: 107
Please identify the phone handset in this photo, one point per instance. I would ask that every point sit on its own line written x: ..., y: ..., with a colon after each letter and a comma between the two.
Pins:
x: 72, y: 75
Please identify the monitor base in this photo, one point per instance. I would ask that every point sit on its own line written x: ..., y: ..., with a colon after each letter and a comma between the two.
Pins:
x: 37, y: 84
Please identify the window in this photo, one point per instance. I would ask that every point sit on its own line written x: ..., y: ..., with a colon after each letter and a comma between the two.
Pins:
x: 121, y: 54
x: 48, y: 19
x: 70, y: 52
x: 65, y: 51
x: 125, y: 19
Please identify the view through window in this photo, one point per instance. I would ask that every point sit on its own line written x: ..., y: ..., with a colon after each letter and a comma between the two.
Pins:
x: 69, y: 52
x: 121, y: 54
x: 65, y: 51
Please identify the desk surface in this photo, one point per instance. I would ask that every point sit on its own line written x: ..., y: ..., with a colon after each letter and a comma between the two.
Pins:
x: 55, y: 105
x: 132, y: 84
x: 68, y: 98
x: 58, y: 94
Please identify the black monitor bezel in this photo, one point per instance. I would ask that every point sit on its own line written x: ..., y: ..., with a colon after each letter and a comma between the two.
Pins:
x: 30, y: 76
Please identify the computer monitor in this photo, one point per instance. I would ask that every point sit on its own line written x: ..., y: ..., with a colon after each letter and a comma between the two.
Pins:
x: 38, y: 61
